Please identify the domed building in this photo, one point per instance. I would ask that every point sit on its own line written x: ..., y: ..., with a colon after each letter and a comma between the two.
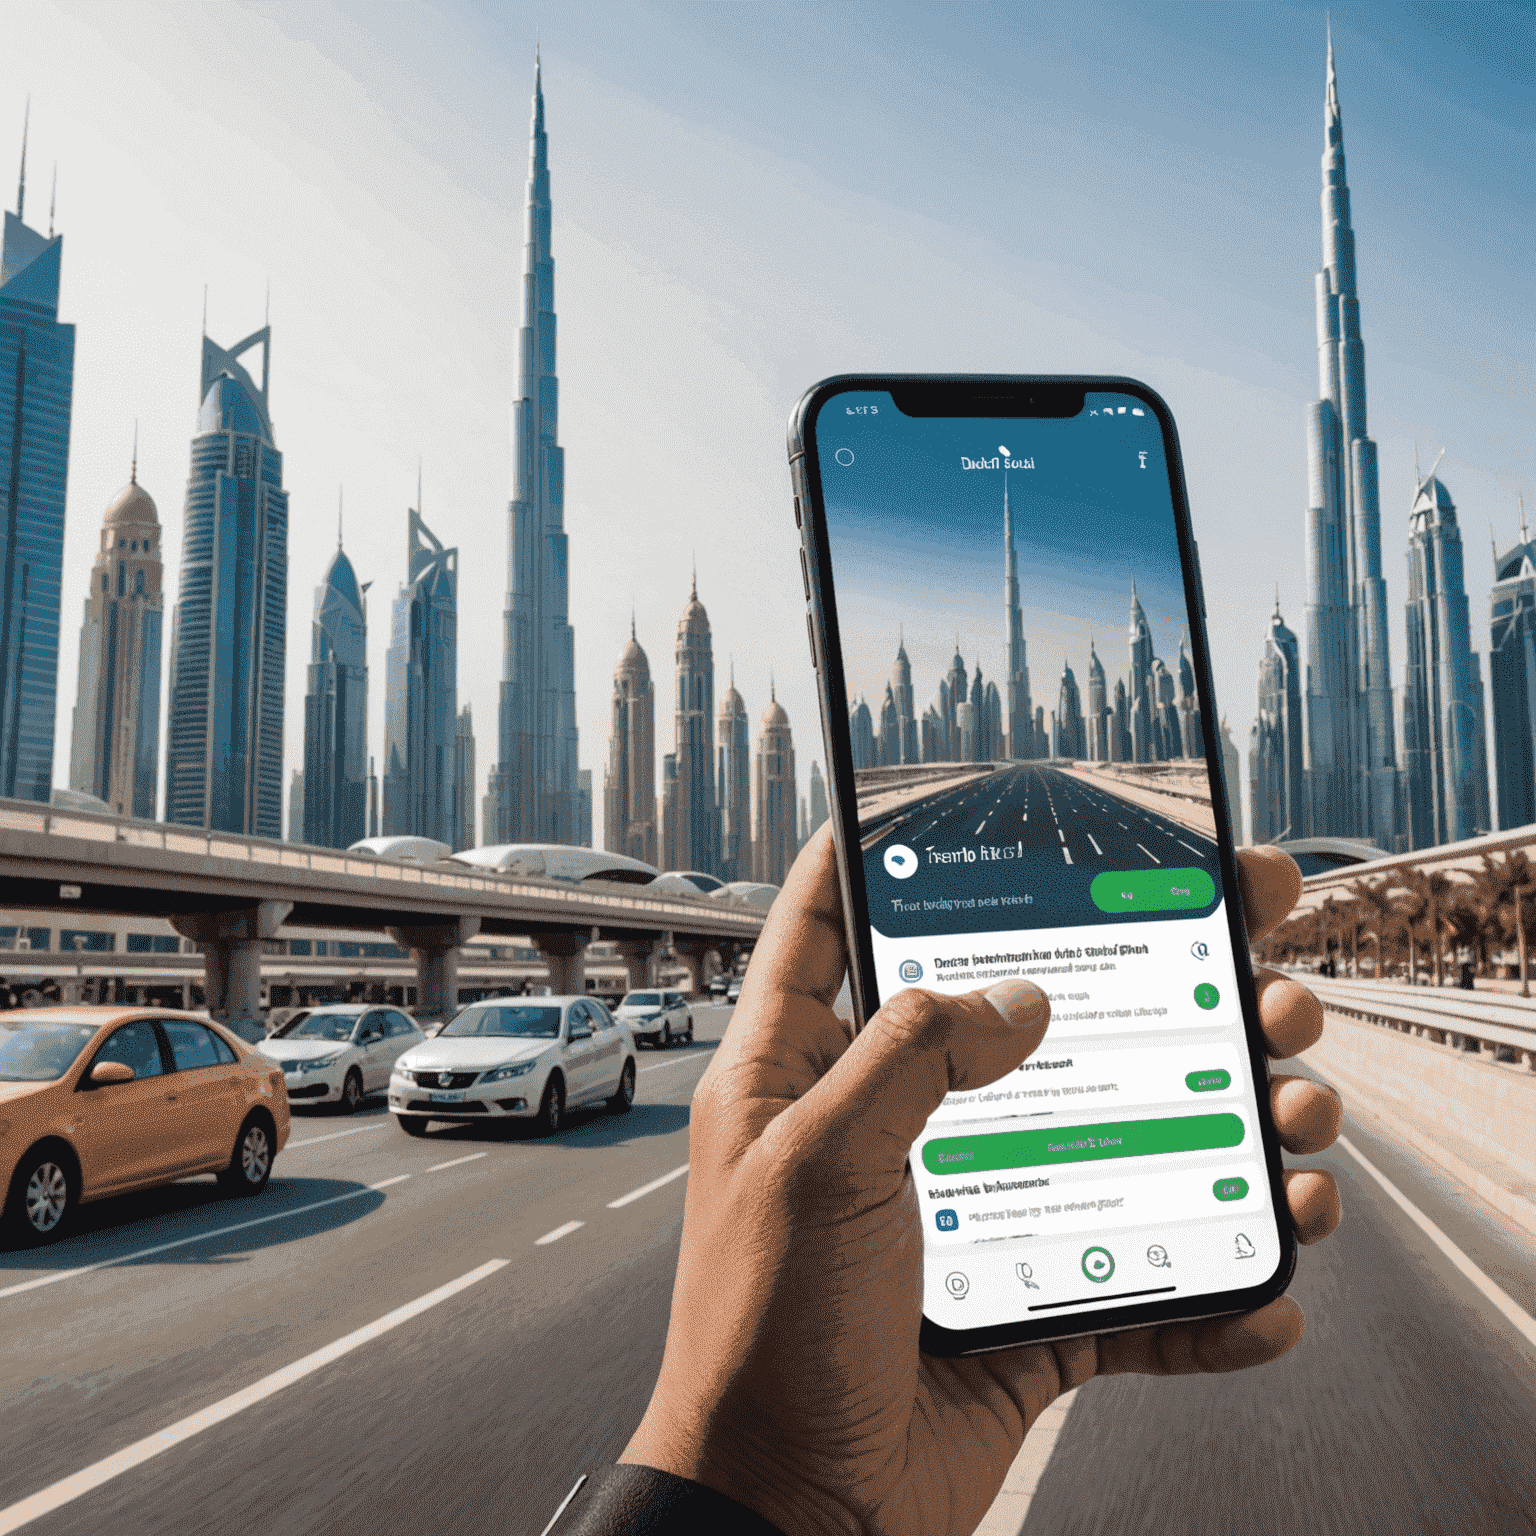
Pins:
x: 629, y: 786
x: 115, y: 745
x: 776, y: 843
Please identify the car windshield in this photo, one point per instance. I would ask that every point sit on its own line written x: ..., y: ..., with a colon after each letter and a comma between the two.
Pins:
x: 521, y: 1022
x: 642, y: 1000
x: 39, y: 1051
x: 320, y: 1025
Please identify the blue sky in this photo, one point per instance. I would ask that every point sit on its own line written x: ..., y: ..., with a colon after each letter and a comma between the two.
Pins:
x: 748, y: 198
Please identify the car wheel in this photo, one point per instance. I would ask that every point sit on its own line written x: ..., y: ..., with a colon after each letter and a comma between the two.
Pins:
x: 412, y: 1125
x: 352, y: 1093
x: 552, y: 1108
x: 42, y: 1200
x: 251, y: 1166
x: 625, y: 1096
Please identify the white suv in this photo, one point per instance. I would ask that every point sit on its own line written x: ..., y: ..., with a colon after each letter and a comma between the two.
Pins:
x: 657, y: 1018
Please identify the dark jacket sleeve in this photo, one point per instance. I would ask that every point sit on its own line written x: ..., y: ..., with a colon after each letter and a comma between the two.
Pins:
x: 629, y: 1500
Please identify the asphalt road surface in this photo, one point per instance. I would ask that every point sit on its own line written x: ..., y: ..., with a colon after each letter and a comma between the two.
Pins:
x: 1055, y: 815
x: 525, y: 1363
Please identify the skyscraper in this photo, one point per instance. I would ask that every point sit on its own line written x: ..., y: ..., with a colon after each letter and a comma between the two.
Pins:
x: 533, y: 787
x: 907, y: 746
x: 1189, y: 703
x: 115, y: 752
x: 1071, y: 738
x: 735, y: 785
x: 1444, y: 757
x: 224, y: 752
x: 1353, y: 786
x: 629, y: 787
x: 1276, y: 765
x: 818, y: 800
x: 296, y: 806
x: 464, y: 781
x: 1512, y: 677
x: 421, y: 696
x: 861, y: 732
x: 37, y: 373
x: 583, y: 807
x: 1139, y: 685
x: 774, y: 842
x: 1231, y: 767
x: 336, y: 711
x: 1020, y: 723
x: 696, y: 820
x: 1100, y: 718
x: 890, y: 730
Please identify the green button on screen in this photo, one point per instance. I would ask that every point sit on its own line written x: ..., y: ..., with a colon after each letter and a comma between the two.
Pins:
x: 1081, y: 1143
x: 1230, y: 1189
x: 1206, y: 996
x: 1208, y: 1082
x: 1152, y: 890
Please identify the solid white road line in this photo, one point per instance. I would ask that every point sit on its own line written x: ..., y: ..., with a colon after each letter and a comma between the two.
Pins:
x: 1521, y: 1320
x: 197, y: 1237
x: 555, y: 1520
x: 474, y: 1157
x: 67, y: 1489
x: 646, y: 1189
x: 558, y: 1233
x: 357, y: 1130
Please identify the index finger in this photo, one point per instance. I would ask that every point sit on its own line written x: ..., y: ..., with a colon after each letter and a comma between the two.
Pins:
x: 801, y: 950
x: 1270, y: 882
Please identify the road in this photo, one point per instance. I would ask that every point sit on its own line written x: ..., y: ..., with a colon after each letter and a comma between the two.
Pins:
x: 1055, y: 816
x: 1407, y: 1408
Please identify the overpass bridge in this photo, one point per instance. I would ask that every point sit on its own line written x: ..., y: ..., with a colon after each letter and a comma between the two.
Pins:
x: 232, y: 894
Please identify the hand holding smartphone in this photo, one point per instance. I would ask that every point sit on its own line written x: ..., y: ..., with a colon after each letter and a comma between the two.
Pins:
x: 1006, y: 617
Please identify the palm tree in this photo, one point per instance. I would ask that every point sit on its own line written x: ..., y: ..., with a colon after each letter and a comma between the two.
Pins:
x: 1509, y: 882
x: 1374, y: 901
x: 1437, y: 890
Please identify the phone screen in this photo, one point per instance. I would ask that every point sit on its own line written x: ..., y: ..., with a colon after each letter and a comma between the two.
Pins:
x: 1034, y: 799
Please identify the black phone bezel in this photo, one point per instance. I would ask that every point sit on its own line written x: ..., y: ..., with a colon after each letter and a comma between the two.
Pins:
x: 1016, y: 396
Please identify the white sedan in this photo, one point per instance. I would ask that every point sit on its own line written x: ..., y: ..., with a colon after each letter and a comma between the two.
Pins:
x: 515, y: 1059
x: 340, y: 1053
x: 658, y: 1018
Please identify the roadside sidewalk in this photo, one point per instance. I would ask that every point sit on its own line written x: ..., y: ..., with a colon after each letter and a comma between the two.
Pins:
x: 1472, y: 1118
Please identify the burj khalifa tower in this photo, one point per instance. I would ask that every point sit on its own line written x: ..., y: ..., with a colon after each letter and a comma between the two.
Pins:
x: 1353, y: 784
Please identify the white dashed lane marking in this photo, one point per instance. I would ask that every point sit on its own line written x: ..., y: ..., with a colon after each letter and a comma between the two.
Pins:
x: 645, y: 1189
x: 558, y: 1233
x: 474, y: 1157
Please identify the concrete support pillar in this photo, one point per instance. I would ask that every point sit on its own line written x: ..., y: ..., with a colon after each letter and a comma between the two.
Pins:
x: 639, y: 957
x: 435, y: 949
x: 565, y: 954
x: 231, y: 946
x: 692, y: 953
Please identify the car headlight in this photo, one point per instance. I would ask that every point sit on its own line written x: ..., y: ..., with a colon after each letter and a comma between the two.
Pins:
x: 320, y: 1065
x: 515, y: 1069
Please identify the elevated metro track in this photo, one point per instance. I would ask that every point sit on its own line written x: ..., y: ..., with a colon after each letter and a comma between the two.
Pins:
x: 232, y: 894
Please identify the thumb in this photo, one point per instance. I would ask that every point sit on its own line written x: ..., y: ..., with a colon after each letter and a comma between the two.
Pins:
x: 864, y: 1115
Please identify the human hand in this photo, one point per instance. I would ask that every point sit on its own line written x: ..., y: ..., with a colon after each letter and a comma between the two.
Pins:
x: 792, y: 1379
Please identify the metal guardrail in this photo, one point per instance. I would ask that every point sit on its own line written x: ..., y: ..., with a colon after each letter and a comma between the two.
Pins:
x: 1504, y: 1029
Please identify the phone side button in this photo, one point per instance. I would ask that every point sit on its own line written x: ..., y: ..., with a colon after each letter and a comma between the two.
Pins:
x: 797, y: 512
x: 810, y: 634
x: 805, y: 576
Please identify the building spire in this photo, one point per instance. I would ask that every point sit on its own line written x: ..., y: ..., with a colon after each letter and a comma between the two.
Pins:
x: 53, y: 198
x: 1524, y: 536
x: 1334, y: 115
x: 21, y: 185
x: 133, y: 472
x: 631, y: 621
x: 338, y: 518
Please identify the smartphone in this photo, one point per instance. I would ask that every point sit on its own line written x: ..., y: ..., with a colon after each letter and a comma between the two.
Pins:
x: 1005, y: 614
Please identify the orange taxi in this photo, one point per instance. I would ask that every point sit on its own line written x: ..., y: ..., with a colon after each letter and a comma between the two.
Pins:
x: 100, y: 1101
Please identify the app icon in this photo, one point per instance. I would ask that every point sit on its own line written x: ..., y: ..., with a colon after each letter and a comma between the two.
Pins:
x: 1157, y: 1257
x: 910, y: 971
x: 947, y: 1221
x: 1200, y: 950
x: 1024, y: 1272
x: 1245, y: 1249
x: 844, y: 456
x: 1098, y: 1264
x: 957, y: 1285
x: 1206, y: 996
x: 900, y: 862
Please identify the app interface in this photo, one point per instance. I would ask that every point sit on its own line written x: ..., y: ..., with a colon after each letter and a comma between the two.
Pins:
x: 1034, y: 800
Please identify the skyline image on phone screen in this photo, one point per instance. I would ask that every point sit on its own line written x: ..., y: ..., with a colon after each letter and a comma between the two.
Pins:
x: 1034, y: 800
